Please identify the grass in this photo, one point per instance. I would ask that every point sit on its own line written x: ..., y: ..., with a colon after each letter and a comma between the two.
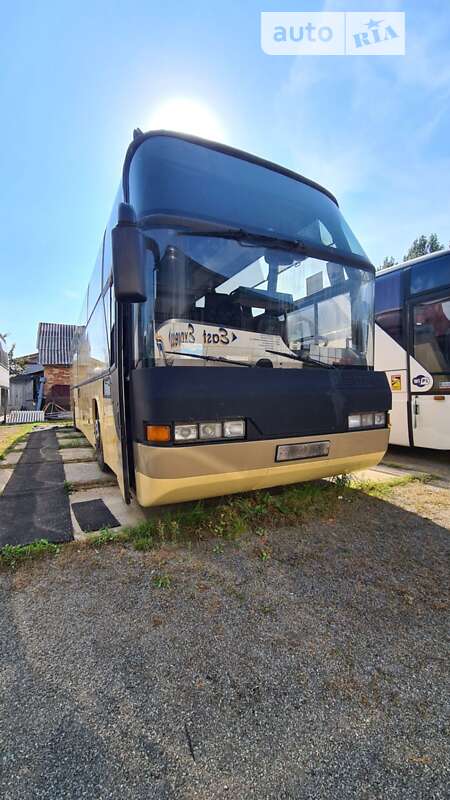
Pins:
x: 162, y: 581
x: 10, y: 435
x: 229, y: 519
x: 12, y: 555
x: 254, y: 513
x: 382, y: 489
x: 10, y: 438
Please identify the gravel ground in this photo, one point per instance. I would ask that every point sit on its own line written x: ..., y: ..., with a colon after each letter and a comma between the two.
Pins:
x: 321, y: 672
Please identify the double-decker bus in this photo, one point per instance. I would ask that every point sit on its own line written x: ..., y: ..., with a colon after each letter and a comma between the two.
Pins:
x: 226, y: 338
x: 412, y: 345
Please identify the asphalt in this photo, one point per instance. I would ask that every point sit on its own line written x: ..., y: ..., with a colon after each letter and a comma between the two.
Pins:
x: 34, y: 504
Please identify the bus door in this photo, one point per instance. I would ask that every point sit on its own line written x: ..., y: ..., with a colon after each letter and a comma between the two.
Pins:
x: 119, y: 393
x: 429, y: 370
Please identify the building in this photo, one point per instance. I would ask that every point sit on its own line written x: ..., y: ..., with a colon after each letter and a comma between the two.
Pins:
x: 25, y: 390
x: 4, y: 380
x: 54, y: 343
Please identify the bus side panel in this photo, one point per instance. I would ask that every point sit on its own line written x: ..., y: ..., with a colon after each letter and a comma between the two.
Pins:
x: 87, y: 398
x: 391, y: 358
x: 111, y: 445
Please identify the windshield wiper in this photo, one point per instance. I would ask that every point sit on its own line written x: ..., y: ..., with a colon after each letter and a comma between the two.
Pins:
x: 241, y: 235
x: 210, y: 358
x: 303, y: 359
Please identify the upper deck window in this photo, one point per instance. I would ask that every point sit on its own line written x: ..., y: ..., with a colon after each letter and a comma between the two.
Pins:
x: 389, y: 304
x: 430, y: 274
x: 172, y: 176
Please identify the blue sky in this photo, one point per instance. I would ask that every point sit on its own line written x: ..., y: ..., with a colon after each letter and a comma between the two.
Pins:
x: 76, y: 78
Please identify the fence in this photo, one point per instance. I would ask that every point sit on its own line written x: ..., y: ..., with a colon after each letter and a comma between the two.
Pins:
x: 17, y: 417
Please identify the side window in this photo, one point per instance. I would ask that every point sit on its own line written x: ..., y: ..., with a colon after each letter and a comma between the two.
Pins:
x: 389, y: 305
x: 82, y: 319
x: 96, y: 343
x: 108, y: 303
x: 95, y: 284
x: 107, y: 247
x: 430, y: 274
x: 432, y: 335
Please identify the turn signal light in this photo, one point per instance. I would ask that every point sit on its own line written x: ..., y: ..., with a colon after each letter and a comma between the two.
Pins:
x: 158, y: 433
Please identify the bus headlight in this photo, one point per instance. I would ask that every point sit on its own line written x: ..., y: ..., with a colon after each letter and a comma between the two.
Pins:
x: 210, y: 430
x: 185, y: 433
x: 234, y: 429
x: 372, y: 419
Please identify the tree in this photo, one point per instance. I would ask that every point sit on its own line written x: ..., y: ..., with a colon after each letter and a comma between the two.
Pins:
x: 423, y: 245
x: 389, y: 261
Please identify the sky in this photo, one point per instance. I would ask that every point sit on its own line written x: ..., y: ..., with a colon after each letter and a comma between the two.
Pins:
x: 77, y: 78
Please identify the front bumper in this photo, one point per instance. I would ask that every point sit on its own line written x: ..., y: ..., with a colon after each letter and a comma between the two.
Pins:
x: 179, y: 474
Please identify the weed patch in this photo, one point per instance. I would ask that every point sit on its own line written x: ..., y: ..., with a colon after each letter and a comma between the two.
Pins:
x: 235, y: 516
x: 162, y: 581
x: 12, y: 555
x: 105, y: 536
x: 381, y: 489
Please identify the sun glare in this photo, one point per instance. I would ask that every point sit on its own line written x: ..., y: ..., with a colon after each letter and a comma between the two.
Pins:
x: 187, y: 116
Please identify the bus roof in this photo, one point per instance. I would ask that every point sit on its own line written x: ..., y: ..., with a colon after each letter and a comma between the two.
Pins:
x: 224, y: 148
x: 405, y: 264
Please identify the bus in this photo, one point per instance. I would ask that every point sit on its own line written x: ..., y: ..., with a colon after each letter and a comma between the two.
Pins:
x: 412, y: 345
x: 226, y: 337
x: 4, y: 381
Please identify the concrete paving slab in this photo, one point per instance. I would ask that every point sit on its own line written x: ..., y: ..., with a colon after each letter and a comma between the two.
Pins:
x: 86, y: 474
x: 63, y: 444
x: 10, y: 460
x: 77, y: 454
x: 5, y: 475
x: 383, y: 474
x: 126, y: 515
x: 20, y: 446
x: 419, y: 459
x: 68, y: 435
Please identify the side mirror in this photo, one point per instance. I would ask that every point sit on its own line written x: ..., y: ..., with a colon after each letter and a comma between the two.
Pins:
x: 128, y: 255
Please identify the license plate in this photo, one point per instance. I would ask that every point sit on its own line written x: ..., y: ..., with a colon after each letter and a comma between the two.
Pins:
x: 295, y: 452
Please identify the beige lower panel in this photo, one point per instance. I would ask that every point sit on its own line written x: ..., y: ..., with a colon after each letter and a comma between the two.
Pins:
x: 172, y: 475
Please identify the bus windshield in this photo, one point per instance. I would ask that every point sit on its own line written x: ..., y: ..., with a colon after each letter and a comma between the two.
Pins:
x: 214, y: 300
x: 246, y: 264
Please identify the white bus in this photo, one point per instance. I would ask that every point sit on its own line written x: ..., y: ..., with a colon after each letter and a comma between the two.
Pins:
x: 412, y: 345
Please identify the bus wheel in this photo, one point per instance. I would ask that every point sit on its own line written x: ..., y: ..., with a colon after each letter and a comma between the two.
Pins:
x: 99, y: 446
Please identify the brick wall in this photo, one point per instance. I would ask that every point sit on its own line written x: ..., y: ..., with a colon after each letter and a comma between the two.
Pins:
x: 56, y: 377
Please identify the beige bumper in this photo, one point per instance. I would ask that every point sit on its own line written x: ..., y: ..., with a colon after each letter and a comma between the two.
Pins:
x: 177, y: 474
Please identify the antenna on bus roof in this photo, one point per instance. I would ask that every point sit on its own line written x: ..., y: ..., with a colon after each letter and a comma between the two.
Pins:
x: 136, y: 133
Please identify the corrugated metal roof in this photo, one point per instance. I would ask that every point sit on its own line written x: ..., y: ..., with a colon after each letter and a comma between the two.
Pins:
x: 54, y: 342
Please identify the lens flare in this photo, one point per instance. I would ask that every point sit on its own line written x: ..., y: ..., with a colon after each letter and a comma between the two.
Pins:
x: 186, y: 115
